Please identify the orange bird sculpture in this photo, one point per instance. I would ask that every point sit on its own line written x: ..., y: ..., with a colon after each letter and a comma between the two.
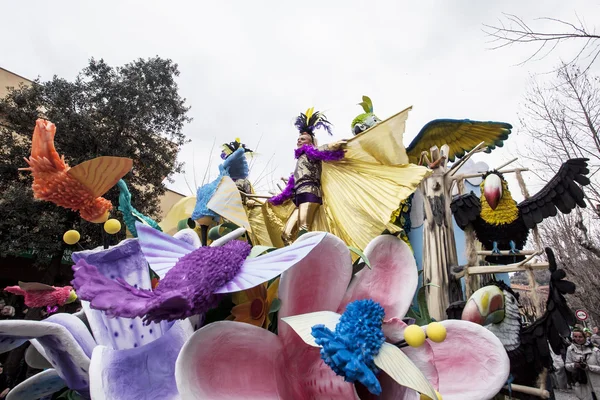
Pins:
x: 79, y: 188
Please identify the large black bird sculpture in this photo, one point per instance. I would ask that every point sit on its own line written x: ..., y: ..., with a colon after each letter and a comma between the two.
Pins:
x: 496, y: 307
x: 502, y: 224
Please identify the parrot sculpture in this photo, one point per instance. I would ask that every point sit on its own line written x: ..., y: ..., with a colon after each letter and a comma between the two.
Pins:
x: 365, y: 120
x: 79, y: 188
x: 502, y: 224
x: 41, y: 295
x: 496, y: 306
x: 460, y: 135
x: 191, y: 276
x: 130, y: 214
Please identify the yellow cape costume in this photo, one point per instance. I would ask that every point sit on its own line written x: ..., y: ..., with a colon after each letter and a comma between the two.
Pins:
x: 360, y: 192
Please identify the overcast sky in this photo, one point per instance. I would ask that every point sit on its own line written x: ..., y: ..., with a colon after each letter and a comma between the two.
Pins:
x: 249, y: 67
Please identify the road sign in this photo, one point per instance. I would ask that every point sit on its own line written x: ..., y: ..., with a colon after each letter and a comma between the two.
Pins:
x: 581, y: 315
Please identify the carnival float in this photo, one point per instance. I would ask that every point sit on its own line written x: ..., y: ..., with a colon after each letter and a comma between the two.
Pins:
x: 348, y: 284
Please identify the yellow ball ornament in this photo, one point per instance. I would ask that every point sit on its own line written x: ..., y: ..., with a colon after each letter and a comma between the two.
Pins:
x: 71, y: 237
x: 112, y: 226
x: 436, y: 332
x: 414, y: 336
x: 425, y: 397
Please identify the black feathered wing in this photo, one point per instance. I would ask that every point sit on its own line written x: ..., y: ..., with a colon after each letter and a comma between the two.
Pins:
x: 553, y: 328
x: 465, y: 208
x: 560, y: 194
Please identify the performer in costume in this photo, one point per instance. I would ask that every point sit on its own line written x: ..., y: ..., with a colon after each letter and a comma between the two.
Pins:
x: 355, y: 190
x: 304, y: 185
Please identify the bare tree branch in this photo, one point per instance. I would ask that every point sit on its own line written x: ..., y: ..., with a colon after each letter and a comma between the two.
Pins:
x: 516, y: 31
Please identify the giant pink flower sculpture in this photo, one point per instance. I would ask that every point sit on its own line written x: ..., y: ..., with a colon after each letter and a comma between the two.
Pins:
x: 232, y: 360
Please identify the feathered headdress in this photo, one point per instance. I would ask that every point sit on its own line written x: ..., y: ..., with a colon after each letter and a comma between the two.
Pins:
x: 312, y: 120
x: 229, y: 148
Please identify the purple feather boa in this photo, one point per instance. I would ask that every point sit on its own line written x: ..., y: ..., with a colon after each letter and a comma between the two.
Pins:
x: 315, y: 154
x: 285, y: 195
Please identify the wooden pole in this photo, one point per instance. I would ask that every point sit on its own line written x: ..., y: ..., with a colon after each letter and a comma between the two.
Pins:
x: 532, y: 281
x: 539, y: 392
x: 464, y: 159
x: 256, y: 196
x: 506, y: 253
x: 498, y: 269
x: 506, y: 163
x: 478, y: 174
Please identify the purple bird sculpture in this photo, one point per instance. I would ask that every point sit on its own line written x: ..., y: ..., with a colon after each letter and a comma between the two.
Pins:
x: 192, y: 277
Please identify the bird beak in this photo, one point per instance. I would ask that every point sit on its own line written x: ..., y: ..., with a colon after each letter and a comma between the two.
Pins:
x: 492, y: 190
x: 72, y: 297
x: 485, y: 306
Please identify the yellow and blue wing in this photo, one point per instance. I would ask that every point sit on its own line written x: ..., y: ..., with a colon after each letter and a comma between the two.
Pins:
x: 461, y: 135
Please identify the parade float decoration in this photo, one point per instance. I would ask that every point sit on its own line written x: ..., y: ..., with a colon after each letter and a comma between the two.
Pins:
x: 439, y: 142
x: 78, y: 188
x: 278, y: 303
x: 496, y: 306
x: 130, y: 214
x: 41, y: 295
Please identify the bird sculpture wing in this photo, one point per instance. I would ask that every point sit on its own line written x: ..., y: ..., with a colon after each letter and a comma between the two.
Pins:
x: 562, y: 193
x: 465, y: 208
x: 100, y: 174
x: 554, y: 326
x: 35, y: 286
x: 461, y: 135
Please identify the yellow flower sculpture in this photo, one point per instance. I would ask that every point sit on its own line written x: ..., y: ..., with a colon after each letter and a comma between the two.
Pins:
x: 253, y: 306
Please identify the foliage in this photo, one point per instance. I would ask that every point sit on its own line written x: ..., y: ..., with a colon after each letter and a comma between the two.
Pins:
x: 421, y: 314
x: 133, y: 111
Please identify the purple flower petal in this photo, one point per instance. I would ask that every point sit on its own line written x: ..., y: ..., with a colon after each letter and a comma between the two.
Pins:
x: 122, y: 333
x: 146, y: 372
x: 124, y: 260
x: 37, y: 358
x: 63, y: 350
x: 77, y: 328
x: 9, y: 342
x: 43, y: 384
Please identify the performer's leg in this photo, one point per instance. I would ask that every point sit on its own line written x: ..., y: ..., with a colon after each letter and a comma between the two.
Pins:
x: 307, y: 216
x: 288, y: 229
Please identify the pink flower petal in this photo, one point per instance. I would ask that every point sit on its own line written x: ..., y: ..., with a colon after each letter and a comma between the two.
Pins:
x: 393, y: 329
x: 392, y: 281
x: 390, y: 390
x: 311, y: 377
x: 232, y: 360
x: 317, y: 283
x: 423, y: 358
x: 472, y: 363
